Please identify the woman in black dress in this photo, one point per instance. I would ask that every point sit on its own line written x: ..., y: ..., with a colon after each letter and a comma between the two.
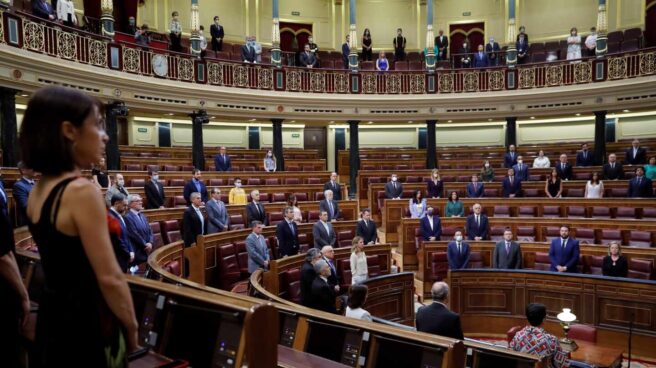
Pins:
x: 366, y: 45
x: 615, y: 264
x: 86, y: 316
x: 554, y: 186
x: 99, y: 174
x: 435, y: 185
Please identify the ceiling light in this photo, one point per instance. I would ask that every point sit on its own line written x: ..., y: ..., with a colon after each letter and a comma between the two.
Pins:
x: 532, y: 117
x: 450, y: 121
x: 332, y: 121
x: 371, y: 122
x: 578, y: 114
x: 213, y: 117
x: 410, y: 121
x: 24, y: 95
x: 170, y: 114
x: 293, y: 121
x: 252, y: 120
x: 489, y: 119
x: 626, y: 110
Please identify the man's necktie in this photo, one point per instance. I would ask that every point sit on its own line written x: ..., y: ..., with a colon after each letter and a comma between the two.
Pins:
x: 478, y: 221
x: 330, y: 205
x: 291, y: 227
x: 507, y: 248
x: 459, y: 248
x: 639, y: 181
x: 563, y: 243
x: 257, y: 206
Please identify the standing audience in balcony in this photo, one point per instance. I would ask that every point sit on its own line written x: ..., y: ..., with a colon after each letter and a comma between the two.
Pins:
x: 480, y: 58
x: 287, y: 234
x: 458, y: 252
x: 615, y: 264
x: 442, y: 43
x: 613, y: 170
x: 522, y: 46
x: 465, y: 55
x: 594, y: 188
x: 507, y: 253
x: 323, y: 232
x: 99, y: 174
x: 436, y: 318
x: 142, y: 37
x: 217, y: 213
x: 258, y: 49
x: 155, y: 196
x: 175, y: 33
x: 195, y: 185
x: 270, y: 162
x: 346, y: 49
x: 367, y: 47
x: 255, y: 210
x: 553, y: 187
x: 474, y: 188
x: 217, y: 34
x: 487, y: 172
x: 258, y: 252
x: 564, y: 252
x: 521, y: 169
x: 510, y: 158
x: 328, y: 255
x: 132, y: 26
x: 329, y: 205
x: 357, y: 296
x: 640, y: 186
x: 308, y: 58
x: 417, y: 205
x: 534, y: 339
x: 591, y: 42
x: 292, y: 202
x: 66, y: 13
x: 399, y: 45
x: 635, y: 155
x: 358, y: 261
x: 542, y: 161
x: 323, y: 294
x: 203, y: 42
x: 139, y: 232
x: 122, y: 247
x: 118, y: 187
x: 60, y: 135
x: 314, y: 48
x: 222, y: 160
x: 21, y: 192
x: 454, y: 207
x: 584, y: 157
x: 193, y: 221
x: 366, y: 228
x: 492, y: 50
x: 393, y: 189
x: 477, y: 224
x: 435, y: 185
x: 308, y: 275
x: 382, y: 64
x: 650, y: 168
x: 573, y: 45
x: 334, y: 186
x: 511, y: 186
x: 237, y: 194
x: 248, y: 51
x: 564, y: 169
x: 430, y: 226
x: 43, y: 10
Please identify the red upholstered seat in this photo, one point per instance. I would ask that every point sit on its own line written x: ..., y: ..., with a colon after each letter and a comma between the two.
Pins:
x: 649, y: 213
x: 448, y: 233
x: 291, y: 285
x: 619, y: 192
x: 512, y: 332
x: 313, y: 216
x: 526, y: 233
x: 344, y: 271
x: 551, y: 232
x: 585, y: 236
x: 576, y: 212
x: 419, y: 238
x: 596, y: 263
x: 542, y: 261
x: 632, y: 33
x: 491, y: 193
x: 314, y: 181
x: 303, y: 240
x: 137, y: 182
x: 177, y: 182
x: 242, y: 258
x: 229, y: 272
x: 641, y: 268
x: 292, y: 181
x: 373, y: 266
x: 475, y: 260
x: 439, y: 266
x: 301, y: 197
x: 132, y: 167
x: 600, y: 212
x: 215, y: 182
x: 625, y: 213
x: 412, y: 179
x: 271, y: 181
x: 400, y: 65
x: 173, y: 267
x: 615, y: 36
x: 171, y: 231
x: 608, y: 235
x: 151, y: 168
x: 502, y: 211
x: 575, y: 192
x: 583, y: 333
x: 319, y: 196
x: 496, y: 233
x: 527, y: 211
x: 179, y: 201
x: 236, y: 222
x: 265, y: 197
x: 531, y: 192
x: 253, y: 181
x: 551, y: 211
x: 278, y: 197
x: 274, y: 218
x: 643, y: 239
x: 171, y: 168
x: 157, y: 235
x: 293, y: 168
x: 344, y: 238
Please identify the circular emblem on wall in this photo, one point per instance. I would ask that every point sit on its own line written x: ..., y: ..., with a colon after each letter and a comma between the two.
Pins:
x: 17, y: 74
x: 281, y: 108
x: 117, y: 92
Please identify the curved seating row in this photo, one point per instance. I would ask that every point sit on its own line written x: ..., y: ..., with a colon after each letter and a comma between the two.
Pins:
x: 185, y: 164
x: 234, y: 153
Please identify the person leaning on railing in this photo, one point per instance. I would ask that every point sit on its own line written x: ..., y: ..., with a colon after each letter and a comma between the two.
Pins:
x: 142, y: 36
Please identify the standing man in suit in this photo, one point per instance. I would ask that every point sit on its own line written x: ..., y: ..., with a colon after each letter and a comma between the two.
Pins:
x: 195, y: 185
x: 458, y: 252
x: 323, y: 294
x: 636, y: 155
x: 584, y: 157
x: 393, y: 189
x: 442, y: 43
x: 308, y: 275
x: 258, y: 253
x: 139, y: 232
x: 564, y: 252
x: 21, y: 192
x: 308, y: 59
x: 366, y: 228
x: 521, y: 169
x: 430, y: 225
x: 4, y: 203
x: 564, y: 169
x: 436, y: 318
x: 255, y: 210
x: 155, y: 196
x: 510, y: 158
x: 507, y: 253
x: 511, y: 186
x: 117, y: 187
x: 222, y: 160
x: 346, y: 49
x: 334, y: 186
x: 477, y: 224
x: 480, y: 58
x: 640, y: 186
x: 492, y: 50
x: 217, y: 33
x: 522, y: 47
x: 43, y: 10
x: 248, y: 51
x: 193, y: 221
x: 217, y: 213
x: 329, y: 205
x: 465, y: 54
x: 475, y: 189
x: 322, y: 232
x: 613, y: 170
x: 125, y: 253
x: 287, y: 235
x: 328, y: 255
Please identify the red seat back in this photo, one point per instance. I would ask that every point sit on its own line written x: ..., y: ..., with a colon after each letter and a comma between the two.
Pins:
x: 641, y: 268
x: 291, y: 285
x: 542, y: 261
x: 475, y: 260
x: 512, y: 332
x: 638, y: 238
x: 171, y: 232
x: 526, y: 233
x: 229, y: 272
x: 236, y: 222
x: 373, y: 266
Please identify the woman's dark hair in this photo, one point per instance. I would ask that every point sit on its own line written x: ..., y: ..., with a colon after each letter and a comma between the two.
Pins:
x: 451, y: 195
x: 356, y: 296
x: 367, y: 32
x: 291, y: 200
x: 592, y: 179
x: 536, y: 313
x: 42, y: 145
x: 414, y: 196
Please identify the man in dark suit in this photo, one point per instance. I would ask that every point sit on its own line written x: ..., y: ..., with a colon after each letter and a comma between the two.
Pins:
x: 521, y: 169
x: 510, y: 158
x: 511, y: 186
x: 458, y: 252
x: 477, y: 224
x: 522, y: 48
x: 564, y: 252
x: 42, y: 9
x: 308, y: 275
x: 125, y: 252
x: 613, y: 170
x: 195, y: 185
x: 329, y: 205
x: 635, y: 155
x: 393, y: 189
x: 217, y: 33
x: 436, y: 318
x: 323, y: 232
x: 155, y: 196
x: 222, y: 161
x: 193, y: 221
x: 399, y: 45
x: 4, y: 201
x: 584, y: 157
x: 465, y: 55
x: 564, y: 169
x: 308, y: 59
x: 334, y: 186
x: 366, y: 228
x: 480, y: 58
x: 248, y: 51
x: 328, y: 255
x: 287, y: 234
x: 346, y: 49
x: 255, y: 209
x: 323, y: 294
x: 475, y: 189
x: 217, y: 213
x: 492, y: 50
x: 139, y: 231
x: 21, y: 192
x: 430, y: 225
x: 507, y: 253
x: 640, y: 186
x: 442, y: 43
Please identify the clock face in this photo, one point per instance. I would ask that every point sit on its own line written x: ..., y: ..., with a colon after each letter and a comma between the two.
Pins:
x: 160, y: 65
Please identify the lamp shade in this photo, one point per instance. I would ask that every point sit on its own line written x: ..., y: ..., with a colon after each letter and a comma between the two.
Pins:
x: 566, y: 315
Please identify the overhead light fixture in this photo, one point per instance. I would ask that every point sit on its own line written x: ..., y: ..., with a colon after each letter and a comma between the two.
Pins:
x: 213, y: 117
x: 578, y: 114
x: 489, y: 119
x: 332, y: 121
x: 170, y: 114
x: 410, y: 121
x: 293, y: 121
x: 450, y: 121
x: 532, y: 118
x: 371, y: 122
x: 626, y: 110
x: 25, y: 95
x: 252, y: 120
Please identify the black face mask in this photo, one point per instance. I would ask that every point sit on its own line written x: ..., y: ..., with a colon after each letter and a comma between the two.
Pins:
x: 430, y: 212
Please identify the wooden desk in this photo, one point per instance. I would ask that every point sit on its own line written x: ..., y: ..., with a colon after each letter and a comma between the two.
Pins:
x: 290, y: 358
x: 598, y: 356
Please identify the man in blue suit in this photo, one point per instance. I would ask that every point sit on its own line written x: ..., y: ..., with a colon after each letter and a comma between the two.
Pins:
x: 217, y: 214
x: 564, y: 252
x: 640, y: 186
x: 222, y: 161
x: 126, y: 255
x: 584, y: 157
x: 430, y: 225
x: 139, y: 231
x: 511, y: 186
x: 521, y: 169
x: 458, y: 252
x: 258, y: 253
x: 21, y: 190
x: 477, y: 224
x: 346, y: 49
x: 510, y: 158
x: 475, y: 189
x: 195, y: 185
x: 42, y: 9
x: 480, y: 58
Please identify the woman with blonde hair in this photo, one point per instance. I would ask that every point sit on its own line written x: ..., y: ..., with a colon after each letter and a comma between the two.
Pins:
x: 435, y: 185
x: 359, y: 271
x: 615, y: 264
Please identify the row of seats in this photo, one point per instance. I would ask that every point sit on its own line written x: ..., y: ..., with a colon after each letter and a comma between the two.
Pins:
x: 248, y: 168
x: 215, y: 182
x: 233, y: 155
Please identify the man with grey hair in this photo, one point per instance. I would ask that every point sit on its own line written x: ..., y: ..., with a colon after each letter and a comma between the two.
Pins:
x: 193, y: 221
x: 287, y: 234
x: 248, y: 51
x: 312, y: 256
x: 328, y: 255
x: 217, y: 214
x: 329, y: 205
x: 334, y: 187
x: 323, y: 232
x: 255, y: 210
x: 117, y: 187
x: 258, y: 253
x: 139, y: 231
x: 436, y: 318
x: 635, y: 155
x: 323, y: 294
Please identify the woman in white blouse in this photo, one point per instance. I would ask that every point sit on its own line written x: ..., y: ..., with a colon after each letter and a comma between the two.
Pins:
x: 541, y: 161
x: 359, y: 271
x: 66, y: 12
x: 269, y: 162
x: 357, y: 296
x: 573, y: 45
x: 293, y: 202
x: 594, y: 188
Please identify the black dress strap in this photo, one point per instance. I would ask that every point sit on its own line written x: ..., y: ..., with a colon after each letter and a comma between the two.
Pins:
x: 54, y: 198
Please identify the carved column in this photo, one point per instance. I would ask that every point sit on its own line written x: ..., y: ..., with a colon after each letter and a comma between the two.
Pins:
x: 602, y: 29
x: 511, y: 54
x: 430, y: 38
x: 353, y: 42
x: 195, y: 28
x: 107, y: 18
x: 276, y: 53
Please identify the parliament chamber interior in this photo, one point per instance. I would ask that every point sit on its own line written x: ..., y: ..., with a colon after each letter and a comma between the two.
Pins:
x: 328, y: 183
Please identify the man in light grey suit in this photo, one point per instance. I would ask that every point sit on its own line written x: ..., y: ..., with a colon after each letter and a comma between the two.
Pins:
x: 507, y: 253
x: 217, y: 214
x: 258, y: 253
x: 323, y: 232
x: 329, y: 205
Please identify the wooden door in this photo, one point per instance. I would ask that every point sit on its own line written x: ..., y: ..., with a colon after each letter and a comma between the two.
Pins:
x: 315, y: 138
x: 474, y: 32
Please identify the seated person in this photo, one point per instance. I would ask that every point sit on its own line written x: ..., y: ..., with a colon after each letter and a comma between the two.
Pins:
x: 534, y: 339
x: 564, y: 252
x: 475, y: 189
x: 430, y: 225
x: 615, y: 263
x: 436, y: 318
x: 458, y: 252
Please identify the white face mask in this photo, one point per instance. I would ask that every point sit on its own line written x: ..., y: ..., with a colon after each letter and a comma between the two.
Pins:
x: 155, y: 177
x: 238, y: 185
x: 393, y: 178
x: 120, y: 182
x: 519, y: 161
x: 459, y: 238
x: 487, y: 165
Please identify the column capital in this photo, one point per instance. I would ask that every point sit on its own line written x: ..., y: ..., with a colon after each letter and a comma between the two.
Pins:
x: 277, y: 121
x: 600, y: 113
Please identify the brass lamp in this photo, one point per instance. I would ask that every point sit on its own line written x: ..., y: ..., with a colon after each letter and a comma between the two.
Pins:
x: 566, y: 317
